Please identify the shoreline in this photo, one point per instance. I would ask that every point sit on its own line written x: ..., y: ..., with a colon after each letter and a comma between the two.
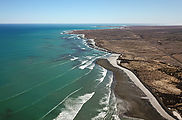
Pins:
x: 151, y: 97
x: 113, y: 60
x: 131, y: 101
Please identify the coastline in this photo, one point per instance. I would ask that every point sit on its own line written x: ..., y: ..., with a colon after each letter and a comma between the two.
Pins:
x: 152, y: 98
x: 113, y: 60
x: 131, y: 102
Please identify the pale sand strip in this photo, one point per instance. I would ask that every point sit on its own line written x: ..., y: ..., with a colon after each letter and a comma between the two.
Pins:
x: 113, y: 60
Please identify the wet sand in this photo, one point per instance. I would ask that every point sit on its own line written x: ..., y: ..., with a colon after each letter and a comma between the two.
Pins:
x: 131, y: 101
x: 153, y: 54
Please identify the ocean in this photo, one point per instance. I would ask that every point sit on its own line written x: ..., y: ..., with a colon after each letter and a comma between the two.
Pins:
x: 46, y: 74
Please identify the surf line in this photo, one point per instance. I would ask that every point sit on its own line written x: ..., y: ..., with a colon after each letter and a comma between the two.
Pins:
x: 69, y: 114
x: 54, y: 91
x: 113, y: 60
x: 60, y: 103
x: 67, y: 96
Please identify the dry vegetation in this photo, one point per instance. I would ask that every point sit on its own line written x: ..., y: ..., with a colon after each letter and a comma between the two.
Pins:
x: 153, y: 53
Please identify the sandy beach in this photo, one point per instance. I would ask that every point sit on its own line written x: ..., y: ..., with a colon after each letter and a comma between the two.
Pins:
x: 113, y: 60
x: 151, y: 58
x: 131, y: 101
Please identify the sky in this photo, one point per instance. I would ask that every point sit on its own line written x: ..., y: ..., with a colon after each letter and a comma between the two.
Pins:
x: 91, y: 11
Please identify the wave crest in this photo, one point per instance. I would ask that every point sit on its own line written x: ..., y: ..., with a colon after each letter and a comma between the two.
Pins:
x: 73, y: 106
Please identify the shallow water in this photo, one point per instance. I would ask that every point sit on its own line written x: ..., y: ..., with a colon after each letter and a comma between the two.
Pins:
x: 46, y: 74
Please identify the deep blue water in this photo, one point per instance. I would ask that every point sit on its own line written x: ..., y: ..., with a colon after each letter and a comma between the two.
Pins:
x: 48, y: 75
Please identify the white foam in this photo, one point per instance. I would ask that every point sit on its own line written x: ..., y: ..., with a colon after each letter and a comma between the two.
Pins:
x: 91, y: 66
x: 111, y: 80
x: 78, y: 36
x: 90, y: 57
x: 73, y: 36
x: 116, y: 115
x: 101, y: 116
x: 105, y: 100
x: 103, y: 111
x: 73, y: 106
x: 113, y: 60
x: 88, y: 63
x: 81, y: 35
x: 85, y: 43
x: 74, y: 58
x: 83, y: 48
x: 104, y: 72
x: 66, y: 31
x: 75, y: 66
x: 92, y: 42
x: 109, y: 101
x: 60, y: 103
x: 84, y: 61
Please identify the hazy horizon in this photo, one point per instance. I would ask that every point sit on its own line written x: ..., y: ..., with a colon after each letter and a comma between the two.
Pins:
x: 158, y: 12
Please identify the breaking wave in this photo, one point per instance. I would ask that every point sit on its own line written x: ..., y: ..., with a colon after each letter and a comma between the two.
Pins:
x: 60, y: 102
x: 88, y: 63
x: 73, y: 106
x: 74, y: 58
x: 104, y: 72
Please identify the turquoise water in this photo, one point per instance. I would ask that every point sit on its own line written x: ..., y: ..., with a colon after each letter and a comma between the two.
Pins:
x: 46, y: 74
